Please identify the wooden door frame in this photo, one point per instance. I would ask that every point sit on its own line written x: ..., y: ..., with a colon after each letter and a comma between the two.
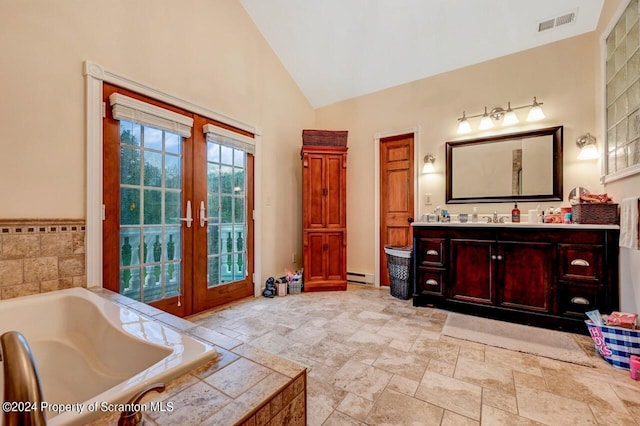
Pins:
x: 416, y: 156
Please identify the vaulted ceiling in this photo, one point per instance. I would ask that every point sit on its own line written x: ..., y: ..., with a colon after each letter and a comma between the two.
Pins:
x: 340, y: 49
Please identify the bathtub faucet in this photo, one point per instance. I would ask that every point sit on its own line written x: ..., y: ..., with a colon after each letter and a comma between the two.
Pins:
x: 134, y: 417
x: 21, y: 382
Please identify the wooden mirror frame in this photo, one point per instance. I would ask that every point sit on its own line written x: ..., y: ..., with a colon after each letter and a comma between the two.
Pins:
x: 555, y: 132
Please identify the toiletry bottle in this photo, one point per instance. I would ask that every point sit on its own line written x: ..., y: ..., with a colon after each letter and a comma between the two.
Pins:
x: 474, y: 215
x: 515, y: 214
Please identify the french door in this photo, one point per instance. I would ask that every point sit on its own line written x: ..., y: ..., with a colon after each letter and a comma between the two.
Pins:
x: 178, y: 228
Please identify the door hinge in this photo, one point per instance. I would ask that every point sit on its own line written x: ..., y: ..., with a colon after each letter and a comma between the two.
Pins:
x: 253, y: 278
x: 104, y: 110
x: 253, y: 215
x: 104, y: 212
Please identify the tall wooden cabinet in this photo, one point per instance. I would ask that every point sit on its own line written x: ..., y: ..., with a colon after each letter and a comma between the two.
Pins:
x: 324, y: 188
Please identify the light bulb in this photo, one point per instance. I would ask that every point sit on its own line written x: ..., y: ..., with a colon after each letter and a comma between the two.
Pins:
x: 428, y: 168
x: 486, y: 122
x: 464, y: 126
x: 535, y: 113
x: 589, y: 152
x: 510, y: 117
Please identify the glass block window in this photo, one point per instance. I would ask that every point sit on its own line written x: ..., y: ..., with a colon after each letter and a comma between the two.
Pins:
x: 623, y: 93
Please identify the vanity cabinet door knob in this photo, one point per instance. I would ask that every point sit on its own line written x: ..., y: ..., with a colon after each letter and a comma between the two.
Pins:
x: 432, y: 253
x: 493, y: 257
x: 579, y: 262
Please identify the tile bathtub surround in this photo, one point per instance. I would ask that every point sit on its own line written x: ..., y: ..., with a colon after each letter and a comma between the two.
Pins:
x: 37, y: 256
x: 243, y: 386
x: 374, y: 360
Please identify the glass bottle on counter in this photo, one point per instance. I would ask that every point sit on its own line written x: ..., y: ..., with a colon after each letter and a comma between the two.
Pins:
x: 515, y: 214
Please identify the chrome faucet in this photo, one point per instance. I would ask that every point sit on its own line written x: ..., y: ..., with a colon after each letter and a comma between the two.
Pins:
x: 134, y: 417
x: 495, y: 218
x: 21, y: 382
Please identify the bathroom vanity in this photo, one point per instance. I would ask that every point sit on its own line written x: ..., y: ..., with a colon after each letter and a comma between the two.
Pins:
x: 546, y: 275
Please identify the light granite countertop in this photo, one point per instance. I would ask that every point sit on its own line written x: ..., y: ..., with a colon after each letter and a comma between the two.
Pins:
x: 483, y: 224
x: 243, y: 385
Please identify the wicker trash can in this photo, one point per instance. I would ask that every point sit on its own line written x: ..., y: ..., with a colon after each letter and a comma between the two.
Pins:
x: 399, y: 264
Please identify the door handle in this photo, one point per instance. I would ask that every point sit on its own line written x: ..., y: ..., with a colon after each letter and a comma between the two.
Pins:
x: 203, y: 215
x: 188, y: 218
x: 410, y: 220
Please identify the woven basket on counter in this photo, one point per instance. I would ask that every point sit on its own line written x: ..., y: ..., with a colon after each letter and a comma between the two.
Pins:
x: 595, y: 213
x: 324, y: 137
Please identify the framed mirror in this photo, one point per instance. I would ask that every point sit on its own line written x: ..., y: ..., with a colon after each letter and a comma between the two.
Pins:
x: 525, y: 166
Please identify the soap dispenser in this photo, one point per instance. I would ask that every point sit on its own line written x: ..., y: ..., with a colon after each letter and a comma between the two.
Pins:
x: 515, y: 214
x: 474, y: 215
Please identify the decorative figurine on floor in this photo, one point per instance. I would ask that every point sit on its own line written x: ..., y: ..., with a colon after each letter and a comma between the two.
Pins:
x: 270, y: 289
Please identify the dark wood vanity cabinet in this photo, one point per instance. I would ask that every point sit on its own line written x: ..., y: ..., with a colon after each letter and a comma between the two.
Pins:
x: 547, y: 276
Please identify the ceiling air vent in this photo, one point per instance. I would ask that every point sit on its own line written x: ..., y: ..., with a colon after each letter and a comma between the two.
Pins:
x: 565, y: 19
x: 546, y: 25
x: 549, y: 24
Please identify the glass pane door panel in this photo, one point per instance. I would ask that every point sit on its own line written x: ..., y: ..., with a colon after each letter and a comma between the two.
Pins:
x: 226, y: 205
x: 150, y: 200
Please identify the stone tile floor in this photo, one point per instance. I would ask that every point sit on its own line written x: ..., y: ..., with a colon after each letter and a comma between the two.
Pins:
x: 375, y: 360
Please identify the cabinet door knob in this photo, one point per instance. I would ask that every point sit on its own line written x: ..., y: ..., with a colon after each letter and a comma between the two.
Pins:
x: 432, y: 253
x: 580, y: 301
x: 431, y: 281
x: 499, y: 257
x: 579, y: 262
x: 493, y: 257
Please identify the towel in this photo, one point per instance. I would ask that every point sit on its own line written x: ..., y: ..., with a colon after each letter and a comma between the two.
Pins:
x: 629, y: 223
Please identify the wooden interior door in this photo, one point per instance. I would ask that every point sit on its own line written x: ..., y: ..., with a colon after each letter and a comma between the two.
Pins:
x: 396, y: 195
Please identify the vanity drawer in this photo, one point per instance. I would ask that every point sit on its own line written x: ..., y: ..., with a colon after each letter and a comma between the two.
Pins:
x: 430, y: 281
x: 574, y: 300
x: 581, y: 262
x: 431, y: 252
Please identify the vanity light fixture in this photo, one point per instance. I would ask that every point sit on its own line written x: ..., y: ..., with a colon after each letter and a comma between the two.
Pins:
x: 486, y: 122
x: 535, y: 113
x: 588, y: 149
x: 428, y: 164
x: 510, y: 117
x: 507, y: 116
x: 464, y: 126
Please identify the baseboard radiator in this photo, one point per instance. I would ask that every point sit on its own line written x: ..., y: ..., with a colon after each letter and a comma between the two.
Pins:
x: 360, y: 278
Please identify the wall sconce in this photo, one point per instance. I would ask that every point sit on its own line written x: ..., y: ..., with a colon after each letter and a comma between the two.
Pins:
x: 428, y: 164
x: 497, y: 114
x: 588, y: 149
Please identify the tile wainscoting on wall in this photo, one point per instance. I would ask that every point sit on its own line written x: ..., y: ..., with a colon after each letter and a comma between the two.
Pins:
x: 37, y: 256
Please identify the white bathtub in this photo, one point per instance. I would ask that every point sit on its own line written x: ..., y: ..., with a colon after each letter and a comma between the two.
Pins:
x: 92, y: 352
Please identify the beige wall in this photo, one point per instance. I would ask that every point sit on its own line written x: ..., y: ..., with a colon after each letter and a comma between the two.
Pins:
x: 207, y: 52
x: 562, y: 75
